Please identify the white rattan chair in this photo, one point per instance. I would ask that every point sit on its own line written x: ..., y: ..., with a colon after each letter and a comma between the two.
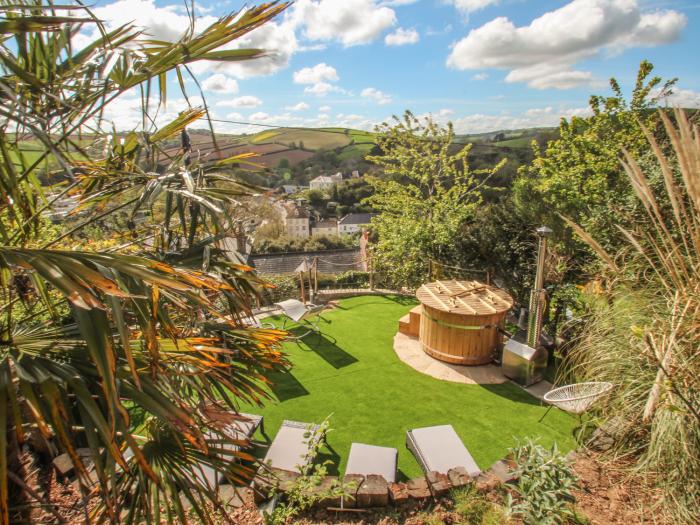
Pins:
x: 576, y: 398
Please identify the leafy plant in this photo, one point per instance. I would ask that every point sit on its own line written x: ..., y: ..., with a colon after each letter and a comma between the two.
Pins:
x: 644, y: 328
x: 426, y: 196
x: 89, y: 337
x: 475, y: 509
x: 579, y: 174
x: 544, y: 484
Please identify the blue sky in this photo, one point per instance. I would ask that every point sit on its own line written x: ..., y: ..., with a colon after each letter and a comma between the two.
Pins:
x: 483, y: 64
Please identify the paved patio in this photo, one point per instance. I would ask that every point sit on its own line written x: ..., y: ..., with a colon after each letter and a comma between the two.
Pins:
x: 409, y: 350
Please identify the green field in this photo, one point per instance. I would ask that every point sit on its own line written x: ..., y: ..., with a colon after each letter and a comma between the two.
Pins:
x: 311, y: 139
x: 522, y: 142
x: 352, y: 375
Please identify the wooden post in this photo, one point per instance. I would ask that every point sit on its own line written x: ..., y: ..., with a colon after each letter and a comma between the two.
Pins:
x: 301, y: 281
x: 316, y: 275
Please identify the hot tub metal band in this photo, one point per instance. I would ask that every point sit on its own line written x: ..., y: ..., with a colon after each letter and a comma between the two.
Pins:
x: 459, y: 326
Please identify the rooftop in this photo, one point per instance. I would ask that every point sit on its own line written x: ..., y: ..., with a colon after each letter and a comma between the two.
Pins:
x: 357, y: 218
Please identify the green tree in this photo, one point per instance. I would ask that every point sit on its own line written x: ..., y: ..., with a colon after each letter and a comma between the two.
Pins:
x: 90, y: 339
x: 579, y: 175
x: 424, y: 198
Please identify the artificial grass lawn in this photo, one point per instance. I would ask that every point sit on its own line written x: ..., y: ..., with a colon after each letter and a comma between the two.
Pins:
x: 372, y: 397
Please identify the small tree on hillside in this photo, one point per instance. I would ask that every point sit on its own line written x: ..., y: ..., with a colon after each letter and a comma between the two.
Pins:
x: 425, y: 197
x: 579, y: 175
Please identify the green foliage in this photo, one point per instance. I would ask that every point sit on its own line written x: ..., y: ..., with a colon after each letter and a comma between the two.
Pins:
x: 304, y: 493
x: 544, y: 484
x: 106, y: 333
x: 426, y: 196
x: 579, y: 175
x: 305, y: 244
x: 644, y: 324
x: 475, y: 508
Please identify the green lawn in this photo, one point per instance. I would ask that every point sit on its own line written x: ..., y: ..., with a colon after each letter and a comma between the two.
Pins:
x: 372, y: 397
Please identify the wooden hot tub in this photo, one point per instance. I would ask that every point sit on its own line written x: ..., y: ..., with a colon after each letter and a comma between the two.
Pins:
x: 459, y: 320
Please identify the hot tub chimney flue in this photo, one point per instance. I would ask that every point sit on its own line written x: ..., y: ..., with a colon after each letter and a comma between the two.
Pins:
x: 537, y: 296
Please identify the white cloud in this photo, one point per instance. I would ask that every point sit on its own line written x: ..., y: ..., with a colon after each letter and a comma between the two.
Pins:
x: 301, y: 106
x: 480, y: 76
x: 351, y: 22
x: 680, y: 98
x: 220, y: 83
x: 246, y: 101
x: 469, y: 6
x: 169, y: 23
x: 319, y: 73
x: 324, y: 109
x: 279, y: 41
x: 322, y: 89
x: 259, y: 116
x: 235, y: 116
x: 376, y: 95
x: 402, y: 37
x: 124, y: 112
x: 543, y: 53
x: 536, y: 117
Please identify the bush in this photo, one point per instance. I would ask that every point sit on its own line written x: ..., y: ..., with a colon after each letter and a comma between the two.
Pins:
x: 475, y: 509
x: 544, y: 484
x: 286, y: 286
x: 354, y: 278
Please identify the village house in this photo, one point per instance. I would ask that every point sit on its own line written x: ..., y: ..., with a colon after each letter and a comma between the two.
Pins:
x: 325, y: 182
x: 296, y: 221
x: 353, y: 223
x: 329, y: 227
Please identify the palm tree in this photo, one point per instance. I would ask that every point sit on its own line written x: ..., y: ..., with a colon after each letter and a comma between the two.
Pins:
x: 137, y: 351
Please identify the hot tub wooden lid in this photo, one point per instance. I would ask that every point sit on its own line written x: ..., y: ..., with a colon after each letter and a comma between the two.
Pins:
x: 464, y: 297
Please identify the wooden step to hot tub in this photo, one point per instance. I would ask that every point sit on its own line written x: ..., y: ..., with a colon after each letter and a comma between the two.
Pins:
x: 409, y: 324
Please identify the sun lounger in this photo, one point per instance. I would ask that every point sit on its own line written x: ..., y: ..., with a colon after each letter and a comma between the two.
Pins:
x: 370, y: 459
x: 238, y: 429
x: 439, y: 449
x: 291, y: 447
x: 301, y: 315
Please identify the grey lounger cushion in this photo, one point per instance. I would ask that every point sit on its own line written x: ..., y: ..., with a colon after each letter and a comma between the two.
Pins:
x: 439, y: 449
x: 290, y: 448
x: 239, y: 429
x: 370, y: 459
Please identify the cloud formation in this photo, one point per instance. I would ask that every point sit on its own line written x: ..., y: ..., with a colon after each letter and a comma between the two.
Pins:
x: 220, y: 83
x: 319, y: 73
x: 402, y: 37
x: 246, y: 101
x: 543, y: 53
x: 351, y: 22
x: 301, y: 106
x: 470, y: 6
x: 377, y: 96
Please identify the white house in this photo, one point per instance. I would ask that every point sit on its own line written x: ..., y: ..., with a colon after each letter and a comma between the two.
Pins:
x: 325, y: 182
x: 353, y: 222
x: 296, y: 221
x: 329, y: 227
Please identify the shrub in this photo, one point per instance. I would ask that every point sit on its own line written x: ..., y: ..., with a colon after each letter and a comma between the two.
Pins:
x: 644, y: 329
x: 475, y: 509
x: 544, y: 484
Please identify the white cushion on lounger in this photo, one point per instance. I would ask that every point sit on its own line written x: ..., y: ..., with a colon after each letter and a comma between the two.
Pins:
x: 370, y: 459
x: 290, y: 447
x: 440, y: 449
